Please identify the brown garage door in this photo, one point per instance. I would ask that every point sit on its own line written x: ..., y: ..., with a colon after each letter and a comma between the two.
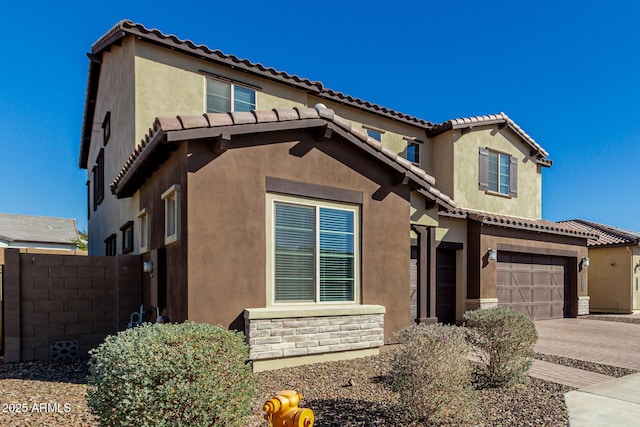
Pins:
x: 532, y: 284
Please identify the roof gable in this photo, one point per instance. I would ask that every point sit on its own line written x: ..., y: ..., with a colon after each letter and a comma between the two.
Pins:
x: 500, y: 119
x: 323, y: 121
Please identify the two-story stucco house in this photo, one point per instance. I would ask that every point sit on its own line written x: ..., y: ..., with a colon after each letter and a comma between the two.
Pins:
x: 318, y: 223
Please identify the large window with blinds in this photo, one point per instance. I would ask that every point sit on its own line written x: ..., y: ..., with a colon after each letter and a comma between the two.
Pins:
x: 315, y: 252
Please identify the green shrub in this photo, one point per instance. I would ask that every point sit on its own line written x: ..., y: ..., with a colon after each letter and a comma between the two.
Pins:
x: 504, y: 341
x: 432, y: 374
x: 184, y: 374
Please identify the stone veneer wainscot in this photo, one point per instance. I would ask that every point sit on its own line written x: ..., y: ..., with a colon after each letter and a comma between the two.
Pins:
x: 292, y: 332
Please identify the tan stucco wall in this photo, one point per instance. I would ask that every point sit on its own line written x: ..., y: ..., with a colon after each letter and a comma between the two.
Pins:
x: 611, y: 279
x: 442, y: 170
x: 420, y: 214
x: 527, y: 204
x: 115, y: 94
x: 636, y: 278
x: 169, y: 84
x: 227, y: 217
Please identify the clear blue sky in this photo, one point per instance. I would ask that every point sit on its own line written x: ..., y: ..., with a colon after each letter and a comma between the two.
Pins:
x: 567, y: 72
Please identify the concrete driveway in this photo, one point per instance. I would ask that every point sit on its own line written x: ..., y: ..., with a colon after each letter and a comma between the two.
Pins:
x: 609, y: 343
x: 614, y: 402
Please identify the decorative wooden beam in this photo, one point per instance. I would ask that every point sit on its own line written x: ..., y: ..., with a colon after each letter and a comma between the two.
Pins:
x: 502, y: 125
x: 323, y: 133
x: 400, y: 178
x: 429, y: 204
x: 221, y: 143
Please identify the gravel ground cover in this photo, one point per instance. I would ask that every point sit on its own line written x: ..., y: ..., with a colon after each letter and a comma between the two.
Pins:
x: 612, y: 318
x: 612, y: 371
x: 346, y: 393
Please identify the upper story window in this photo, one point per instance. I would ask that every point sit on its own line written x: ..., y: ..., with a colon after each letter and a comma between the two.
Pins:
x: 223, y: 97
x: 498, y: 172
x: 171, y: 199
x: 143, y: 230
x: 127, y: 237
x: 315, y: 251
x: 110, y: 245
x: 413, y: 152
x: 106, y: 128
x: 98, y: 180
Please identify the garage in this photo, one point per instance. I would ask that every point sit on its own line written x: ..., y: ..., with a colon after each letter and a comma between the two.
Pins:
x: 535, y: 285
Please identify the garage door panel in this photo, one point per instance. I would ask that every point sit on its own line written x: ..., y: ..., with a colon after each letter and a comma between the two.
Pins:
x: 532, y: 284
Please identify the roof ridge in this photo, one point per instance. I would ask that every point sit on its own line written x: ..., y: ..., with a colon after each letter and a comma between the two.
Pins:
x: 128, y: 26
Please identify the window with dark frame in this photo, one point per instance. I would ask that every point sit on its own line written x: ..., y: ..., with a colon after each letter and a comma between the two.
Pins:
x: 110, y: 245
x: 127, y: 237
x: 98, y: 180
x: 88, y: 199
x: 497, y: 173
x: 413, y: 152
x: 106, y: 128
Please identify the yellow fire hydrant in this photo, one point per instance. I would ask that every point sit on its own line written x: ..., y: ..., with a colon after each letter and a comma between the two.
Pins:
x: 282, y: 410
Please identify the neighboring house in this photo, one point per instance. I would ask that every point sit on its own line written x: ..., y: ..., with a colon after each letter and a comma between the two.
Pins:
x: 614, y: 270
x: 270, y: 204
x: 37, y: 232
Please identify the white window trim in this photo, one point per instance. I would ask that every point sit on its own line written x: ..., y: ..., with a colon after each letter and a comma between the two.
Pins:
x: 231, y: 93
x: 144, y: 243
x: 271, y: 200
x: 172, y: 192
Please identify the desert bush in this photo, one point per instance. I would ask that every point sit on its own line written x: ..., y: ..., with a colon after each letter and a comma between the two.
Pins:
x: 504, y: 341
x: 184, y: 374
x: 432, y: 374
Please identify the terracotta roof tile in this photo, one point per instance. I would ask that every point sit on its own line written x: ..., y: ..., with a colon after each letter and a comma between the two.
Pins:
x: 265, y: 116
x: 607, y: 235
x: 243, y: 117
x: 539, y: 225
x: 219, y: 119
x: 193, y: 122
x: 162, y: 126
x: 307, y: 113
x: 286, y: 114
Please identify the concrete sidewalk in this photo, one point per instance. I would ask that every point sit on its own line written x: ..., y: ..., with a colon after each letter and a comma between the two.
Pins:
x: 612, y: 403
x: 560, y: 374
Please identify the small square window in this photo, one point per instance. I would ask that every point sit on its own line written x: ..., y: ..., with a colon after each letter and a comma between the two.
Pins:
x: 143, y: 230
x: 106, y: 128
x: 413, y: 152
x: 171, y: 199
x: 110, y: 245
x: 127, y: 237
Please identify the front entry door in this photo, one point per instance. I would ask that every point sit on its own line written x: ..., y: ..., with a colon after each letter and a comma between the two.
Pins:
x: 446, y: 286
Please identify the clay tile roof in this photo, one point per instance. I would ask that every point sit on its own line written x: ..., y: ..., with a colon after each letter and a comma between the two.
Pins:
x: 607, y: 235
x: 539, y: 225
x: 488, y: 119
x: 126, y: 27
x: 296, y: 117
